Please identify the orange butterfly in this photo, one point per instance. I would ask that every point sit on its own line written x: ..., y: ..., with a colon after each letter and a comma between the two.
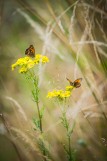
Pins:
x: 30, y: 51
x: 76, y: 83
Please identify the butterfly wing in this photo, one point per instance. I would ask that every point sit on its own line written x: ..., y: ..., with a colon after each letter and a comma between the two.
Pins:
x: 30, y: 51
x: 71, y: 83
x: 27, y: 52
x: 77, y: 83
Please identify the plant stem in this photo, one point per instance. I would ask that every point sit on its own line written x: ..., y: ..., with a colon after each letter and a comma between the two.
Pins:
x: 36, y: 97
x: 41, y: 130
x: 69, y: 144
x: 40, y: 119
x: 67, y: 126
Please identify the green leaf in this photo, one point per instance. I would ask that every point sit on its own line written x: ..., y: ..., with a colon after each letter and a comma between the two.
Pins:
x: 37, y: 123
x: 42, y: 111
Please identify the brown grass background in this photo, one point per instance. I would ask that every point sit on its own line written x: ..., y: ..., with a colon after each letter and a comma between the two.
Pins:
x: 73, y: 34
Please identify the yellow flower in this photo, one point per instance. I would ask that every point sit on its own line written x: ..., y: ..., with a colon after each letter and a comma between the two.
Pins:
x: 27, y: 63
x: 23, y: 61
x: 23, y: 70
x: 30, y: 64
x: 69, y: 88
x: 36, y: 61
x: 66, y: 94
x: 60, y: 94
x: 50, y: 94
x: 13, y: 66
x: 45, y: 59
x: 38, y: 56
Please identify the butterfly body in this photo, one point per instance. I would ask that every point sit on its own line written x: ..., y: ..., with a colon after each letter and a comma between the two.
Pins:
x: 30, y: 51
x: 76, y: 83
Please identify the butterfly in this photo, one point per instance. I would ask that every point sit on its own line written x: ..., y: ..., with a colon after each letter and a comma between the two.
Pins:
x: 76, y: 83
x: 30, y: 51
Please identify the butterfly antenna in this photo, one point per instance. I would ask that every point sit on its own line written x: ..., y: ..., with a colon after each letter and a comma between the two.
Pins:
x: 68, y: 79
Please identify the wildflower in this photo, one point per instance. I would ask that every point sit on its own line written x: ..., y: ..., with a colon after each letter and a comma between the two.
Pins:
x: 37, y: 59
x: 30, y: 64
x: 38, y: 56
x: 65, y: 94
x: 27, y: 62
x: 45, y: 59
x: 13, y: 66
x: 69, y: 88
x: 23, y: 70
x: 60, y: 94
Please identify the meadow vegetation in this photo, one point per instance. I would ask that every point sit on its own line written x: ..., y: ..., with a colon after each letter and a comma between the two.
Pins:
x: 42, y: 115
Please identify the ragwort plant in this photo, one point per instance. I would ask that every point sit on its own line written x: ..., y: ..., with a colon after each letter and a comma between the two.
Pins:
x: 26, y: 66
x: 62, y: 96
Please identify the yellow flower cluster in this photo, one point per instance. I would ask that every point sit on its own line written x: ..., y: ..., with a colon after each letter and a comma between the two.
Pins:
x: 60, y: 94
x: 69, y: 88
x: 27, y: 63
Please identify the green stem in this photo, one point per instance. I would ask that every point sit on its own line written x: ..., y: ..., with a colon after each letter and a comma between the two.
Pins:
x: 38, y: 109
x: 69, y: 144
x: 68, y: 134
x: 41, y: 130
x: 40, y: 119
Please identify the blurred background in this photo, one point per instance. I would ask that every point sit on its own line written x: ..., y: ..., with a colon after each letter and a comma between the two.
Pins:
x: 73, y: 34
